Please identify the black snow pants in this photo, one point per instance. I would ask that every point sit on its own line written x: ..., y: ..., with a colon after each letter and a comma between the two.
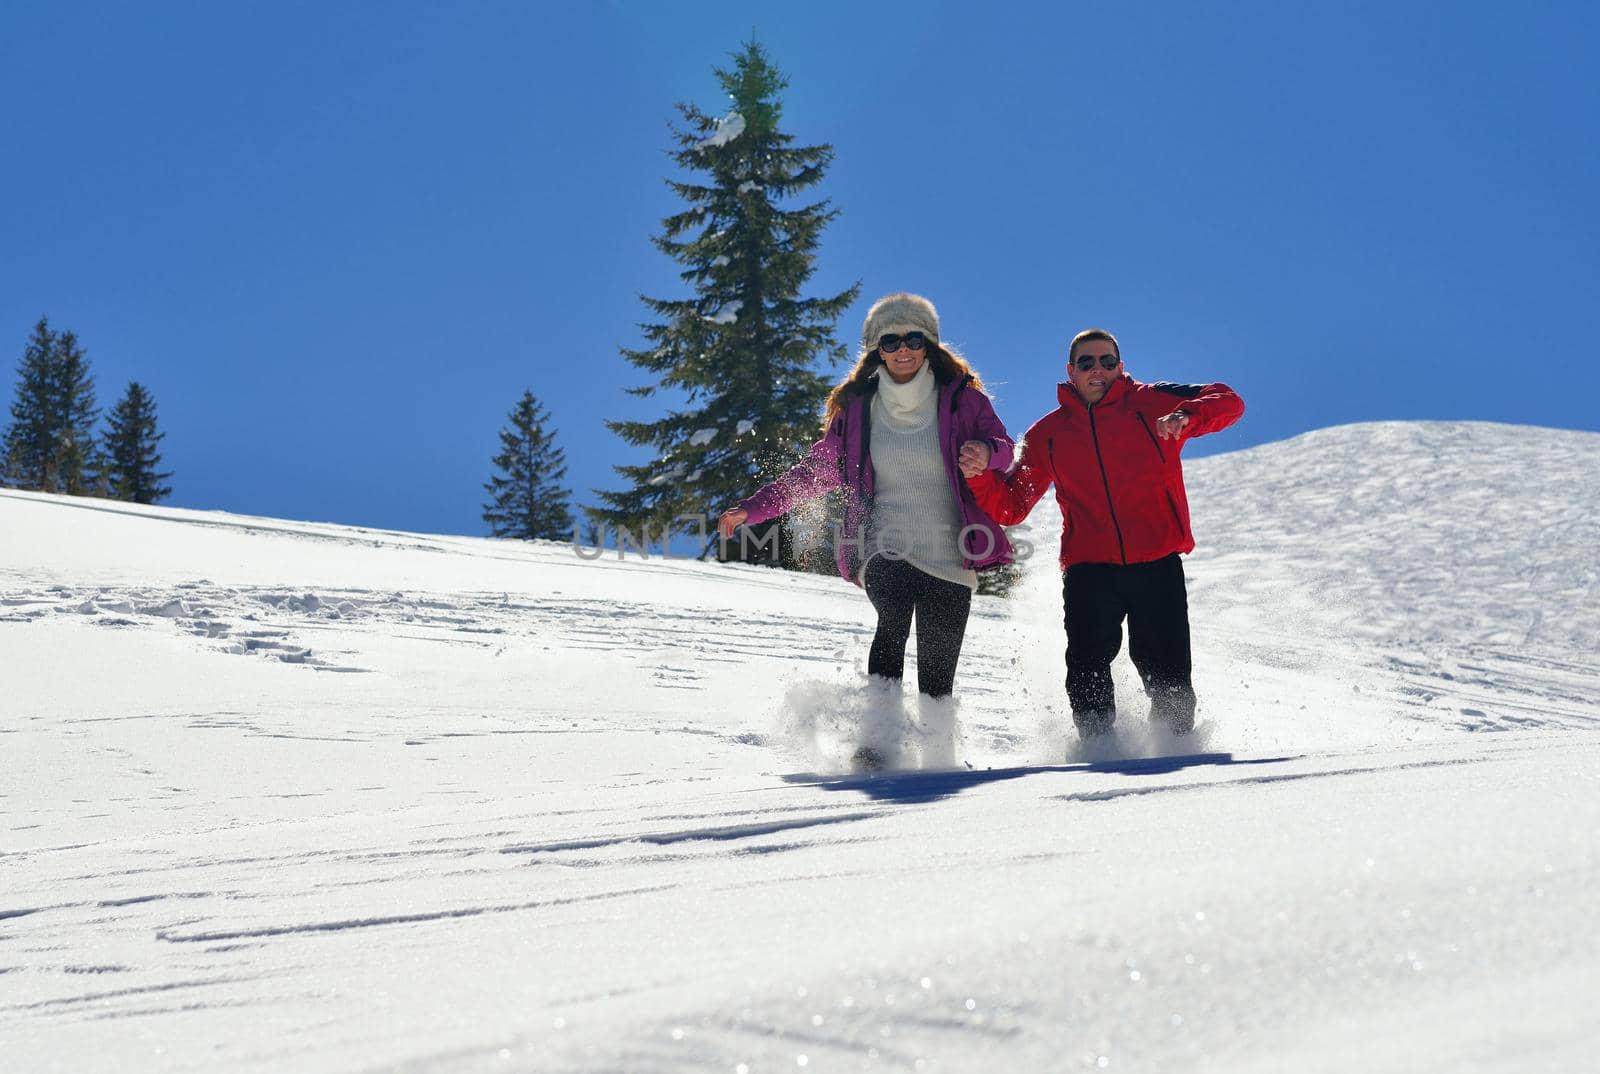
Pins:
x: 899, y: 590
x: 1154, y: 600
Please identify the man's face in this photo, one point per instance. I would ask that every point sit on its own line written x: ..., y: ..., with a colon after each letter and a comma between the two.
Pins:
x: 1092, y: 383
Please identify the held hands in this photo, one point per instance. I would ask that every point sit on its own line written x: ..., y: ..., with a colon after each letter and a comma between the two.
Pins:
x: 975, y: 455
x: 1171, y: 427
x: 730, y: 521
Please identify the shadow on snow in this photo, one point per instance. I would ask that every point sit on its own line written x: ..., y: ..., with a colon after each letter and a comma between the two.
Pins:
x: 918, y: 786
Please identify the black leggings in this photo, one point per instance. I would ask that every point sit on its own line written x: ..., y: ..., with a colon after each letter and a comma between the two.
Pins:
x: 898, y: 589
x: 1154, y: 600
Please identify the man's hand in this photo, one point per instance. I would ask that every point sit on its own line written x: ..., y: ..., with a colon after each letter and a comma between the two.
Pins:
x: 975, y: 455
x: 730, y: 521
x: 1171, y: 427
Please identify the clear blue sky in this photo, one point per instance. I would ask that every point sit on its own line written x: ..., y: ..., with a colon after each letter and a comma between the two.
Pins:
x: 338, y: 240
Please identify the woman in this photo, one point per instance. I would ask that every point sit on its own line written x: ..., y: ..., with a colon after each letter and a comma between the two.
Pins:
x: 902, y: 432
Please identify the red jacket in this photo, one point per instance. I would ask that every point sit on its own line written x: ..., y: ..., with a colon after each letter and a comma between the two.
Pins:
x: 1119, y: 485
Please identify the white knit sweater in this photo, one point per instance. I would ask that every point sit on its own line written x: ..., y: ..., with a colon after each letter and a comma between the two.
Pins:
x: 914, y: 512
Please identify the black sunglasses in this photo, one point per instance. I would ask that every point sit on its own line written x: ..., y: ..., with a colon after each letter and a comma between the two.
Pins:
x: 915, y: 341
x: 1085, y: 362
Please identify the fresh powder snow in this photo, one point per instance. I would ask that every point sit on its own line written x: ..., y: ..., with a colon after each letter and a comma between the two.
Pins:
x: 290, y: 796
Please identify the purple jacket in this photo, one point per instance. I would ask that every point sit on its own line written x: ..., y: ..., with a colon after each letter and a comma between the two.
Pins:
x: 843, y: 458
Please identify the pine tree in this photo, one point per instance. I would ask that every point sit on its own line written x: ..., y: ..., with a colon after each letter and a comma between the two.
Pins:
x: 30, y: 441
x: 129, y: 450
x: 51, y: 436
x: 742, y: 352
x: 74, y: 389
x: 100, y: 472
x: 529, y: 501
x: 999, y: 581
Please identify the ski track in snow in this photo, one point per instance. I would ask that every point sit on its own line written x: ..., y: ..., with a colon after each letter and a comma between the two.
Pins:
x: 285, y: 626
x: 550, y: 820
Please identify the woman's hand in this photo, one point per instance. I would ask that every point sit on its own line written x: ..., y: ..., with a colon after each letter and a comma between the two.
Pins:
x: 975, y: 456
x: 730, y: 521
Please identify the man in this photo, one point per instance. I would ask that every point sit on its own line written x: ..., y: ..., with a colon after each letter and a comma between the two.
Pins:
x: 1111, y: 450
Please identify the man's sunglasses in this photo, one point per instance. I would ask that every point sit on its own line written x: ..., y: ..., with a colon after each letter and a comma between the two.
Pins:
x: 1085, y: 362
x: 915, y: 341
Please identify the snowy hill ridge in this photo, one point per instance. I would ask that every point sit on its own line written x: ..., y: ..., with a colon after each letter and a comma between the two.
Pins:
x: 1467, y: 532
x: 1464, y: 532
x: 1460, y: 558
x: 281, y: 796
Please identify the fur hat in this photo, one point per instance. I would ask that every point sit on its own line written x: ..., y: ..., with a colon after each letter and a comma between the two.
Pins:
x: 898, y: 314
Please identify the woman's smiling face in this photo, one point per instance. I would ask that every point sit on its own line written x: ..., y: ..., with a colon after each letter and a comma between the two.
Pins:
x: 904, y: 362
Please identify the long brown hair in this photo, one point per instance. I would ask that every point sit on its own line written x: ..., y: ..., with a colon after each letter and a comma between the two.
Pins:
x: 947, y: 365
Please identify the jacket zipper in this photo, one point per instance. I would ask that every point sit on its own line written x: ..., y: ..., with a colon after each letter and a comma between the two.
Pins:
x: 1094, y: 433
x: 843, y: 429
x: 864, y: 503
x: 866, y: 440
x: 1151, y: 434
x: 953, y: 469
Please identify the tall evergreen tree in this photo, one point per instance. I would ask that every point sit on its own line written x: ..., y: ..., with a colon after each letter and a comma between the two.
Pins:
x: 75, y: 395
x: 529, y: 503
x: 51, y: 436
x: 999, y: 581
x: 129, y: 452
x: 100, y: 472
x: 30, y: 441
x: 743, y: 350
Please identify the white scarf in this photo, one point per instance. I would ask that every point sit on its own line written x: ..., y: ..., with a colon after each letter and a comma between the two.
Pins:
x: 909, y: 405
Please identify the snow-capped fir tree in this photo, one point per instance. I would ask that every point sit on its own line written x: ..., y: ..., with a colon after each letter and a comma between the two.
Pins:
x: 51, y: 436
x: 741, y: 353
x: 129, y: 449
x: 529, y: 502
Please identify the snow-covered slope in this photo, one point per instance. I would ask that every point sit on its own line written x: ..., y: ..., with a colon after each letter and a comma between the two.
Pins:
x: 1420, y: 533
x: 297, y: 797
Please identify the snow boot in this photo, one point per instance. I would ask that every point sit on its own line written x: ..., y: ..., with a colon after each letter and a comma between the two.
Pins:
x: 1175, y: 708
x: 867, y: 759
x: 938, y: 731
x: 1094, y: 724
